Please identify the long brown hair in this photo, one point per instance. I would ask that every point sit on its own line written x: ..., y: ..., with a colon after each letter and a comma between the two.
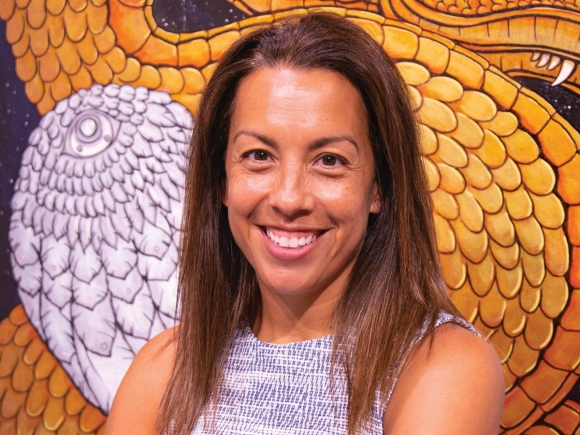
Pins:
x: 396, y: 282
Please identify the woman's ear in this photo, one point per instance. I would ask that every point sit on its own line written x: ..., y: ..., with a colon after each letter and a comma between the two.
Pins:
x: 376, y: 202
x: 224, y: 192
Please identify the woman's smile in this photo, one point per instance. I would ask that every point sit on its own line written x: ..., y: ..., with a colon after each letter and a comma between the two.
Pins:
x: 299, y: 178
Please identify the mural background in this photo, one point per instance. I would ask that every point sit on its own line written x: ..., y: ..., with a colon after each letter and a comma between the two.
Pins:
x: 501, y: 147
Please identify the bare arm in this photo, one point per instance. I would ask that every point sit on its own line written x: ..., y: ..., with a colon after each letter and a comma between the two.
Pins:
x: 136, y: 403
x: 455, y: 388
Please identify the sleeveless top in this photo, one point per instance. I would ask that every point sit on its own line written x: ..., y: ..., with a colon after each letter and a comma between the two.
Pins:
x: 285, y: 389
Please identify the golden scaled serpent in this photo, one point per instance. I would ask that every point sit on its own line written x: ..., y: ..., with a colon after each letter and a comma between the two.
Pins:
x: 503, y: 165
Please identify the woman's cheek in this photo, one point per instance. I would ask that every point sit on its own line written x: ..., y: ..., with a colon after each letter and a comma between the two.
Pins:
x: 245, y: 188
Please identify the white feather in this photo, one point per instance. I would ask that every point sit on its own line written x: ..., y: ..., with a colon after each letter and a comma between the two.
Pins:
x: 72, y: 233
x: 94, y: 384
x: 60, y: 225
x: 47, y: 223
x: 147, y: 206
x: 176, y: 175
x: 90, y: 294
x: 84, y: 264
x: 108, y: 199
x: 99, y: 204
x: 135, y: 318
x: 170, y: 188
x: 89, y: 168
x: 81, y: 205
x: 181, y: 115
x: 70, y: 204
x: 50, y: 161
x: 27, y: 212
x: 44, y: 176
x: 135, y: 215
x: 141, y: 147
x: 164, y: 294
x: 152, y: 241
x: 27, y: 277
x: 126, y: 288
x: 119, y: 260
x: 158, y: 197
x: 96, y: 327
x: 87, y: 186
x: 146, y: 173
x: 108, y: 232
x: 127, y: 93
x: 119, y: 193
x: 24, y: 243
x: 85, y: 233
x: 177, y: 134
x: 97, y: 185
x: 121, y: 222
x: 19, y: 200
x: 132, y: 159
x: 153, y: 268
x: 106, y: 179
x: 55, y: 255
x: 67, y: 117
x: 90, y: 207
x: 59, y: 202
x: 128, y: 186
x: 58, y: 330
x: 137, y: 180
x: 95, y: 101
x: 58, y: 290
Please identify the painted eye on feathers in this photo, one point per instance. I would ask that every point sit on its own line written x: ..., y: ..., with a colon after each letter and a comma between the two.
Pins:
x: 91, y: 133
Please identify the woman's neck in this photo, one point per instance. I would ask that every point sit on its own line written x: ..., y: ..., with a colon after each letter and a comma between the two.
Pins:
x: 291, y: 318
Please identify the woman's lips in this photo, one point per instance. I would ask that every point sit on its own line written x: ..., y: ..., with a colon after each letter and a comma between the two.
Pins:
x: 291, y: 239
x: 290, y: 245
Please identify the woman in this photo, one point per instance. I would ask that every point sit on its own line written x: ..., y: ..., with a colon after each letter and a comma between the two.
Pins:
x: 311, y: 293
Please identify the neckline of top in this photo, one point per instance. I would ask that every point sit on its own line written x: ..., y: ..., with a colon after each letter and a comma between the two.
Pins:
x: 312, y: 341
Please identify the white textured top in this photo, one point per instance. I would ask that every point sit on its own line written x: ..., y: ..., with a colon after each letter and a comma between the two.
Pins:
x: 285, y: 389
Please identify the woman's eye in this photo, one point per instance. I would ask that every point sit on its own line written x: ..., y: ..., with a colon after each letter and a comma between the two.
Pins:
x: 258, y: 155
x: 330, y: 160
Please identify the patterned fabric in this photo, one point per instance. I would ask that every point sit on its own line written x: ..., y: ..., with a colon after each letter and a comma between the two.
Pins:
x: 285, y: 389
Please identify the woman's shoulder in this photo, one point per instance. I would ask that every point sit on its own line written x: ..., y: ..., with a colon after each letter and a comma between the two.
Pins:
x: 452, y: 384
x: 137, y: 400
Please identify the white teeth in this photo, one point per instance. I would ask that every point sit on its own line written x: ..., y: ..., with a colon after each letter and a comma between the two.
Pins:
x: 551, y: 62
x: 544, y: 59
x: 292, y: 242
x: 554, y: 63
x: 565, y: 72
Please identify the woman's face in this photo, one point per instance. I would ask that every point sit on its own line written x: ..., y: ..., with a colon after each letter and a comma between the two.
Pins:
x: 300, y: 178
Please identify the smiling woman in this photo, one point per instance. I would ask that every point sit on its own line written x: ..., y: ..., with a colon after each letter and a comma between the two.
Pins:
x: 299, y: 198
x: 312, y: 300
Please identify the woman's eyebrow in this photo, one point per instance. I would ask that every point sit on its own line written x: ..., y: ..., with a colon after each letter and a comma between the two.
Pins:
x: 318, y: 143
x: 261, y: 137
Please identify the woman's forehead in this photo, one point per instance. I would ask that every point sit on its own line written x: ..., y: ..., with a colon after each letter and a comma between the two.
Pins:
x: 299, y: 98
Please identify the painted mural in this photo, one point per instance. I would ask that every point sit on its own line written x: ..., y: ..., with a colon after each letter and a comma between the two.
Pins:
x: 97, y: 103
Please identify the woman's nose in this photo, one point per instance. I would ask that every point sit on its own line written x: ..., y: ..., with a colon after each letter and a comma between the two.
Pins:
x: 290, y: 194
